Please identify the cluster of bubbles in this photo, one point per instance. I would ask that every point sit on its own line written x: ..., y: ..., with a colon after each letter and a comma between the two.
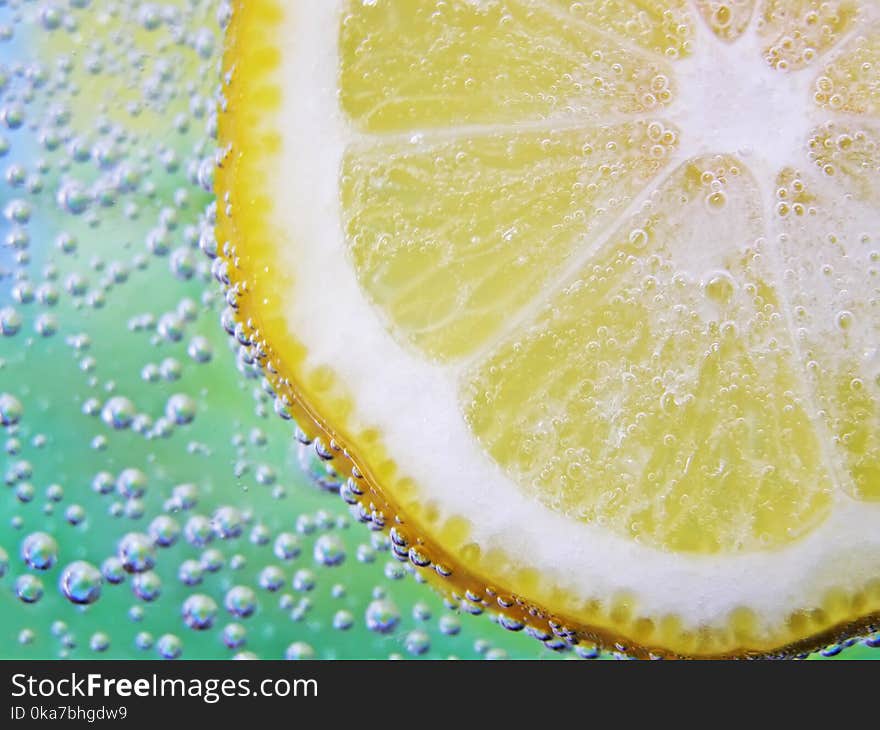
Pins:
x: 802, y: 33
x: 154, y: 503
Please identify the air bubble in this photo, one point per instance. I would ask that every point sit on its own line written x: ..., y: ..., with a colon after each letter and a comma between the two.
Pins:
x: 228, y: 523
x: 271, y: 578
x: 719, y: 287
x: 81, y: 583
x: 382, y: 616
x: 164, y: 530
x: 131, y: 483
x: 287, y: 546
x: 39, y: 550
x: 147, y: 586
x: 845, y: 320
x: 181, y: 409
x: 113, y: 570
x: 199, y: 612
x: 169, y: 646
x: 10, y: 321
x: 240, y: 601
x: 638, y: 238
x: 28, y: 588
x: 118, y: 412
x: 304, y: 580
x: 329, y: 550
x: 716, y: 200
x: 234, y: 635
x: 299, y: 650
x: 198, y: 531
x: 11, y: 409
x: 200, y: 350
x: 137, y: 553
x: 99, y: 642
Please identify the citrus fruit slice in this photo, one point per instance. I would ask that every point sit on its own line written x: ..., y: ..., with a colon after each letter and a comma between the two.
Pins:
x: 583, y: 293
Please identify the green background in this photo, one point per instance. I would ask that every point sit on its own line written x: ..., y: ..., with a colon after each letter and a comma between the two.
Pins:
x: 106, y: 123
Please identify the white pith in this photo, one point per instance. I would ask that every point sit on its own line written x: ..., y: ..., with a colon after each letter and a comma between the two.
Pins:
x: 415, y: 404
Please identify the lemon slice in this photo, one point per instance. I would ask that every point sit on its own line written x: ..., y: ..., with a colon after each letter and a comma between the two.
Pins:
x: 582, y: 295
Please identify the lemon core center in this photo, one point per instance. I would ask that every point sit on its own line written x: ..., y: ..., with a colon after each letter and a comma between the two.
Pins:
x: 731, y: 100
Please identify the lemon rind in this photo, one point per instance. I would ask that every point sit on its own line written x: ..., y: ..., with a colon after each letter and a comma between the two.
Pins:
x: 249, y: 139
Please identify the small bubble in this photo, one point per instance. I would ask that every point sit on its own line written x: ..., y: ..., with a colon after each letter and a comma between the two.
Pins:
x: 75, y: 514
x: 164, y: 530
x: 185, y: 496
x: 449, y: 625
x: 366, y: 554
x: 181, y: 409
x: 46, y: 325
x: 234, y: 635
x: 720, y: 287
x: 171, y: 326
x: 99, y: 642
x: 199, y: 612
x: 304, y: 580
x: 638, y: 238
x: 240, y: 601
x: 81, y: 582
x: 118, y: 412
x: 299, y: 650
x: 329, y: 550
x: 845, y: 320
x: 382, y: 616
x: 200, y: 349
x: 260, y: 535
x: 417, y: 642
x: 147, y: 586
x: 136, y: 552
x: 587, y: 651
x: 716, y: 201
x: 169, y: 646
x: 421, y: 611
x: 113, y: 570
x: 271, y: 578
x: 39, y: 550
x: 73, y: 198
x: 190, y: 572
x: 305, y: 525
x: 343, y: 620
x: 212, y: 560
x: 198, y: 531
x: 11, y: 409
x: 26, y: 636
x: 131, y: 483
x: 182, y: 264
x: 287, y: 546
x: 10, y: 321
x: 29, y: 588
x: 228, y: 523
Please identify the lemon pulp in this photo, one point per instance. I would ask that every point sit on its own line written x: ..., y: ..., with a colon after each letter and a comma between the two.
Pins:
x: 597, y: 343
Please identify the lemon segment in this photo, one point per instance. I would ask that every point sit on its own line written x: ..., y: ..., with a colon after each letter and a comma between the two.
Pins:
x: 832, y: 259
x: 799, y: 31
x: 656, y: 393
x: 843, y: 84
x: 421, y: 64
x: 599, y: 347
x: 450, y: 237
